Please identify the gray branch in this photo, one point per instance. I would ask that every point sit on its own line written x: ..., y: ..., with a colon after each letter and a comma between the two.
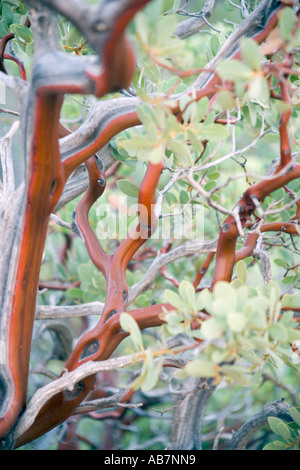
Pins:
x: 189, y: 414
x: 278, y: 409
x: 47, y: 312
x: 191, y: 26
x: 161, y: 260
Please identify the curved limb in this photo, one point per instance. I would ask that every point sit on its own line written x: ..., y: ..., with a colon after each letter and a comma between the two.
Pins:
x: 97, y: 183
x: 45, y: 180
x: 62, y: 405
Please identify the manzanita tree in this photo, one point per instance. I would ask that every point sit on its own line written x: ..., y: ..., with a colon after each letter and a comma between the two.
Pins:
x: 195, y: 120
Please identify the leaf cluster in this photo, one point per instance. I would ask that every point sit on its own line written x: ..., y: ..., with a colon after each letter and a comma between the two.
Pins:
x: 288, y: 432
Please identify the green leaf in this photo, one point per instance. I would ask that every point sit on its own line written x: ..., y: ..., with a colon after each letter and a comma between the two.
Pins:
x: 200, y: 368
x: 183, y: 196
x: 214, y: 44
x: 212, y: 329
x: 213, y: 175
x: 276, y: 445
x: 75, y: 293
x: 129, y: 325
x: 236, y: 321
x: 7, y: 14
x: 278, y: 332
x: 181, y: 151
x: 151, y: 70
x: 221, y: 308
x: 251, y: 53
x: 287, y: 21
x: 210, y: 185
x: 284, y: 431
x: 281, y: 262
x: 139, y: 381
x: 142, y: 27
x: 289, y: 280
x: 241, y: 271
x: 153, y: 372
x: 258, y: 89
x: 224, y: 101
x: 165, y: 25
x: 86, y: 272
x: 295, y: 414
x: 291, y: 301
x: 187, y: 293
x: 257, y: 320
x: 234, y: 70
x: 214, y: 132
x: 3, y: 29
x: 22, y: 32
x: 172, y: 298
x: 134, y: 143
x: 145, y: 113
x: 174, y: 323
x: 157, y: 154
x: 204, y: 299
x: 237, y: 374
x: 196, y: 143
x: 128, y: 188
x: 224, y: 291
x: 293, y: 335
x: 201, y: 109
x: 273, y: 423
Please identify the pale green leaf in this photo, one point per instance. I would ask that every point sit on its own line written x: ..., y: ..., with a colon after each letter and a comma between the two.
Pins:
x: 195, y: 141
x: 236, y: 321
x: 291, y: 301
x: 237, y: 374
x: 204, y: 299
x: 187, y: 293
x: 200, y: 368
x: 251, y: 53
x: 157, y: 154
x: 295, y: 414
x: 241, y: 271
x: 214, y: 132
x: 7, y: 14
x: 234, y: 70
x: 284, y: 431
x: 224, y: 101
x: 287, y: 21
x: 173, y: 298
x: 85, y: 272
x: 273, y: 423
x: 226, y: 292
x: 128, y: 188
x: 220, y: 308
x: 278, y: 332
x: 212, y: 329
x: 151, y: 70
x: 152, y: 376
x: 201, y: 109
x: 22, y: 32
x: 293, y: 335
x: 276, y: 445
x: 258, y: 89
x: 142, y: 27
x: 129, y: 325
